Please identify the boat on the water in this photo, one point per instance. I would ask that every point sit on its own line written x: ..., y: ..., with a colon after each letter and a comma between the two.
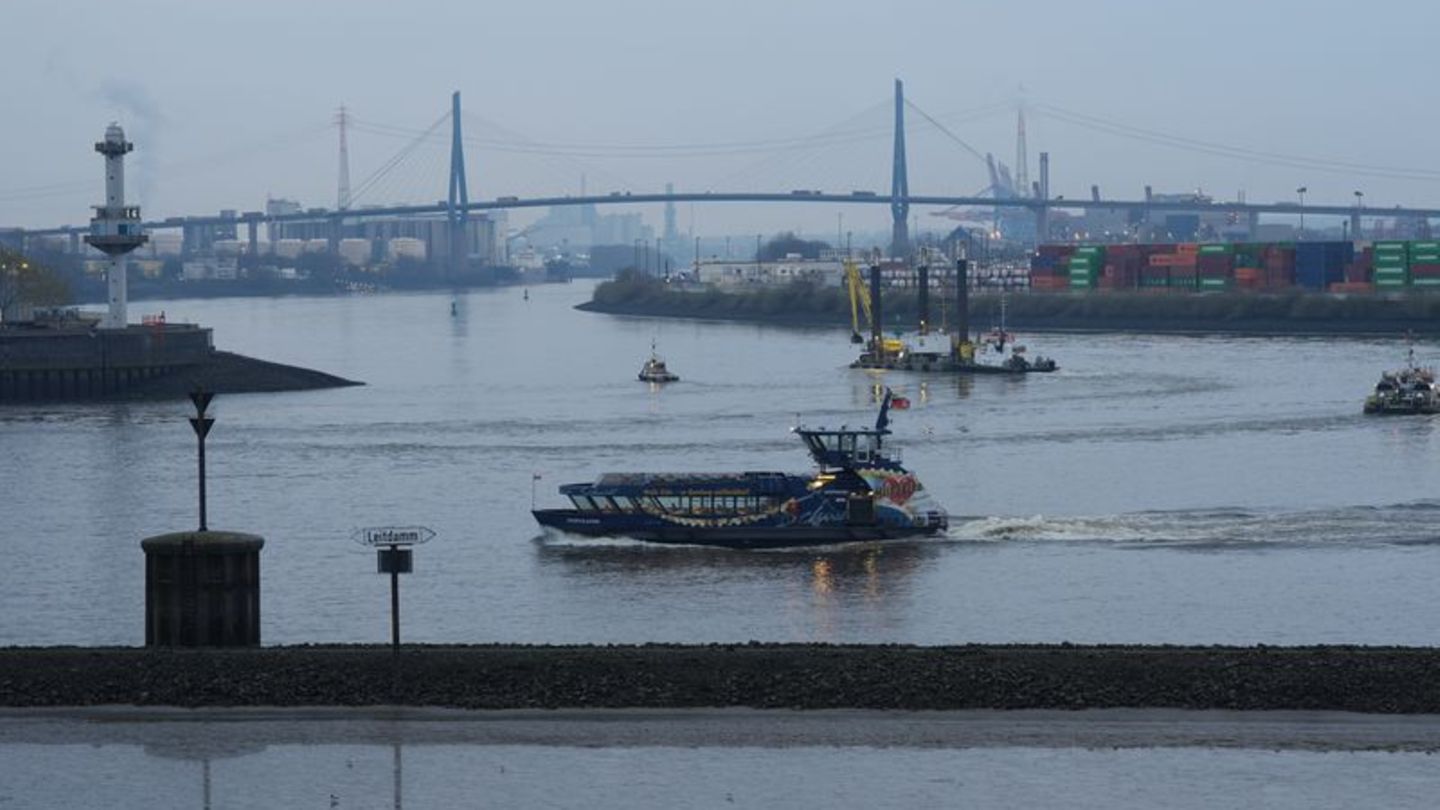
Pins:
x: 860, y: 492
x: 654, y: 370
x: 1410, y: 390
x: 962, y: 356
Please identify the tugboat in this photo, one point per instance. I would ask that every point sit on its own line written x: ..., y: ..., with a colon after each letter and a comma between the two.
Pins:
x: 1410, y: 390
x: 654, y: 370
x: 860, y: 492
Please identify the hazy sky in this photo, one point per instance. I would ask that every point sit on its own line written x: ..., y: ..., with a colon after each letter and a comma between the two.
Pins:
x: 230, y: 102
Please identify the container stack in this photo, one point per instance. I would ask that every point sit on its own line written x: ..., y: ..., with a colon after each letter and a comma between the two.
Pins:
x: 1184, y: 272
x: 1215, y: 267
x: 1085, y: 266
x: 1122, y: 266
x: 1425, y: 265
x: 1248, y: 264
x: 1277, y: 265
x: 1392, y: 266
x: 1320, y: 264
x: 1340, y: 267
x: 1050, y: 268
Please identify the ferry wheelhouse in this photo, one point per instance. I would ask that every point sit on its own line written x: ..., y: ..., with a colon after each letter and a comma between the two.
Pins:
x: 860, y: 491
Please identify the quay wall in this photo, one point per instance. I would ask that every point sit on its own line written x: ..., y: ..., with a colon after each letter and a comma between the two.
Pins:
x: 70, y: 364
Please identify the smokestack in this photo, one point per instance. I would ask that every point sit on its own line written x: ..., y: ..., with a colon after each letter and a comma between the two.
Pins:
x: 1095, y: 193
x: 962, y: 303
x: 923, y: 297
x: 877, y: 333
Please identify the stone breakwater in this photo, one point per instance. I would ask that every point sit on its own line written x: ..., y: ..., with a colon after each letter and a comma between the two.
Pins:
x: 791, y: 676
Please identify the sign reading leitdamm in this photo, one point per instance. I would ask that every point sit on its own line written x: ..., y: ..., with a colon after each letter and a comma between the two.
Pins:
x: 392, y: 535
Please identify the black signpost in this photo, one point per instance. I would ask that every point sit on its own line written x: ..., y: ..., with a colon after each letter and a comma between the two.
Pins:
x: 394, y: 556
x: 201, y: 424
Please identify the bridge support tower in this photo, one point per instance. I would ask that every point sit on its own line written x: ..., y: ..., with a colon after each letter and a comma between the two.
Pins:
x: 457, y: 213
x: 899, y: 183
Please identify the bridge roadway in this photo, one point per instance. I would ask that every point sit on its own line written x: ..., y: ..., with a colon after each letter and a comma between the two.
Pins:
x: 854, y: 198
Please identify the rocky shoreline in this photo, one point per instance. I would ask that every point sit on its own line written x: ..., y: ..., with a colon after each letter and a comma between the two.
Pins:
x: 1390, y: 680
x: 230, y: 373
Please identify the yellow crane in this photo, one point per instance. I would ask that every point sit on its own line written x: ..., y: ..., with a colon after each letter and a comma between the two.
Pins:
x: 860, y: 300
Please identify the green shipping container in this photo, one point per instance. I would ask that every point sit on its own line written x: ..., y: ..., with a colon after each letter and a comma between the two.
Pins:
x: 1217, y: 248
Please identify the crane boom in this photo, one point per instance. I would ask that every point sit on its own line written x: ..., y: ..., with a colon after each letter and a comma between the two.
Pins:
x: 859, y: 299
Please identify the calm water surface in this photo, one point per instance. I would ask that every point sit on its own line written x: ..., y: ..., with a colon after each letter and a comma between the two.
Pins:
x: 445, y: 776
x: 1156, y: 489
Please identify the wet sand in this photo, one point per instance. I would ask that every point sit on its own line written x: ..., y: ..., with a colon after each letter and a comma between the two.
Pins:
x: 232, y: 731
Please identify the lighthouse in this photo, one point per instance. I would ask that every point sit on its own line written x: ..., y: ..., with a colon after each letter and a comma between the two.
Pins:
x: 115, y: 228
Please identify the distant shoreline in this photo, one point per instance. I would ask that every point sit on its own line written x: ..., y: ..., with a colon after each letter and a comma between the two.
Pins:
x: 1088, y: 325
x: 1297, y: 314
x: 1388, y: 680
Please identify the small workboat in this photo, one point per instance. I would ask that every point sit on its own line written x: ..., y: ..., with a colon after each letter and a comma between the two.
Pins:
x: 1410, y: 390
x: 654, y: 370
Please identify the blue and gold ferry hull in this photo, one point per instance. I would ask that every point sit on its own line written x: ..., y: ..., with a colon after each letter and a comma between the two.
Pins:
x: 753, y: 536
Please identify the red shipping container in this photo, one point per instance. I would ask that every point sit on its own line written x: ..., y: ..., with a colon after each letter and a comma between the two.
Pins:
x: 1357, y: 273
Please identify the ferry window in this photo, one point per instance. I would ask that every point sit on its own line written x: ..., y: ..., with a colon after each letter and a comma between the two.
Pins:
x: 604, y: 503
x: 670, y: 503
x: 582, y: 503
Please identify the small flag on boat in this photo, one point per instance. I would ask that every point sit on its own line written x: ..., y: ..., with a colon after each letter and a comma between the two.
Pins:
x: 899, y: 403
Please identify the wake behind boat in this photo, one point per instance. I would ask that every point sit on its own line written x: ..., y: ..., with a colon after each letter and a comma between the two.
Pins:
x: 861, y: 491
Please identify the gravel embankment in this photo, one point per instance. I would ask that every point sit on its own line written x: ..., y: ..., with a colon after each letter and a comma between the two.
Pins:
x: 1359, y: 679
x: 229, y: 373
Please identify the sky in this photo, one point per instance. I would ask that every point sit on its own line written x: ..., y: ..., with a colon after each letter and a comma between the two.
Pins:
x: 229, y: 103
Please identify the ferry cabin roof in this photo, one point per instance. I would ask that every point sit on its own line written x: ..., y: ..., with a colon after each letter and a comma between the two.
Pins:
x: 847, y: 447
x: 656, y: 484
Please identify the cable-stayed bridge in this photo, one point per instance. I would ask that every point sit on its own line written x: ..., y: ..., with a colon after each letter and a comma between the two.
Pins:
x: 420, y: 157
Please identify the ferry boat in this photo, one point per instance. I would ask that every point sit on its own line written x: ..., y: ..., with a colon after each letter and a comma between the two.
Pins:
x: 860, y: 492
x: 654, y: 370
x: 1410, y: 390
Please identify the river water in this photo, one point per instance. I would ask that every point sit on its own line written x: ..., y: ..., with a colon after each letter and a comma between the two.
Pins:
x: 1156, y: 489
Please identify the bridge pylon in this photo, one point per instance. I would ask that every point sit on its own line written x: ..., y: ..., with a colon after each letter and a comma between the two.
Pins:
x: 899, y: 183
x: 457, y: 215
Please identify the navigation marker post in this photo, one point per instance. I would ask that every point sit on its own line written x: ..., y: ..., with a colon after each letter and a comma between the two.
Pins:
x: 393, y: 556
x: 201, y: 425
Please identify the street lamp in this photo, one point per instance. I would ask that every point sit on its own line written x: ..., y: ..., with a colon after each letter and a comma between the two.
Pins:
x: 1301, y: 191
x: 1359, y: 205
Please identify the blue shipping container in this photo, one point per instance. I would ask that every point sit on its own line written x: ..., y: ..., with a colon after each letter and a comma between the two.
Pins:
x: 1320, y: 264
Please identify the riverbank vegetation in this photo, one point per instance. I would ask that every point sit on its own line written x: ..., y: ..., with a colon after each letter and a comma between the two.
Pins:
x: 804, y: 303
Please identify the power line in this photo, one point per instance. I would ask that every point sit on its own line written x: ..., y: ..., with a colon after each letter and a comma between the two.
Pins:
x: 1233, y: 152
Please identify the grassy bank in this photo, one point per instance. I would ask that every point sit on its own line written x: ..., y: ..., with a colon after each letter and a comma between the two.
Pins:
x: 804, y: 304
